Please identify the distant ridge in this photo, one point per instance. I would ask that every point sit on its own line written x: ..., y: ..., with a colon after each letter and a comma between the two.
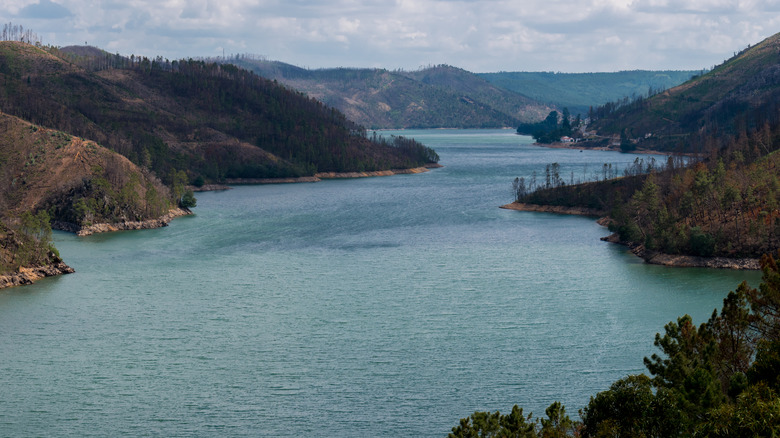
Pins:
x: 580, y: 91
x: 437, y: 97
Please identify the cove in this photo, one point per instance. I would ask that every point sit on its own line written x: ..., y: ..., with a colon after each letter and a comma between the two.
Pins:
x: 389, y: 306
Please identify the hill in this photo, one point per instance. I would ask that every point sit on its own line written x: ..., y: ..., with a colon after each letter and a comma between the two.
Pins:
x: 739, y: 96
x: 580, y: 91
x: 459, y: 81
x: 441, y: 96
x: 726, y: 202
x: 75, y: 181
x: 48, y: 175
x: 210, y: 121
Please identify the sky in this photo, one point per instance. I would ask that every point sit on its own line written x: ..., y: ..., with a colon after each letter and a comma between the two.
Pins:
x: 476, y: 35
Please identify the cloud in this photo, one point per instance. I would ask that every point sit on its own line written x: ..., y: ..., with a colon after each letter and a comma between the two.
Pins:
x: 484, y: 35
x: 44, y: 9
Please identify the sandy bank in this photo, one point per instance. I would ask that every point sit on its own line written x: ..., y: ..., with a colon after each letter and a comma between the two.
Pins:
x: 33, y: 274
x: 121, y: 226
x: 335, y: 175
x: 209, y: 188
x: 652, y: 257
x: 580, y: 211
x: 331, y: 175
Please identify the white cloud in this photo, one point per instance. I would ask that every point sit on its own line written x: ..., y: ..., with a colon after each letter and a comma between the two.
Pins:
x: 485, y: 35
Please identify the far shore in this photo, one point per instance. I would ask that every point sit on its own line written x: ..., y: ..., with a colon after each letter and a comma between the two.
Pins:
x: 558, y: 209
x: 578, y: 146
x: 651, y: 257
x: 321, y: 176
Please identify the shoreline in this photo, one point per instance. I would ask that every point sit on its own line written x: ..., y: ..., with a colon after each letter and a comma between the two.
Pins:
x: 573, y: 146
x: 323, y: 175
x: 29, y: 275
x: 557, y: 209
x: 147, y: 224
x: 649, y: 256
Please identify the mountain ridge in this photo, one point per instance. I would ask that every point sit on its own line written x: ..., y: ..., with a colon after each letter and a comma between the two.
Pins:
x: 380, y: 98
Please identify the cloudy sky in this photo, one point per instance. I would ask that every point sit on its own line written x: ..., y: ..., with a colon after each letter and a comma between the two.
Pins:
x: 478, y: 35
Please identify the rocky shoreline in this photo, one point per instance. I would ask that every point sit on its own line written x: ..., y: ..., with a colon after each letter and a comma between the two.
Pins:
x: 121, y: 226
x: 649, y: 256
x: 30, y: 275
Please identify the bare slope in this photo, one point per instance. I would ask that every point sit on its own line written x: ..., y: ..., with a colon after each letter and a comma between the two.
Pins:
x: 75, y: 180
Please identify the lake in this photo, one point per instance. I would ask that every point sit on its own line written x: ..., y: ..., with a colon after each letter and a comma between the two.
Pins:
x: 388, y: 306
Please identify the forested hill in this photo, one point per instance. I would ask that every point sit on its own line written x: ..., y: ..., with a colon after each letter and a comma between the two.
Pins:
x: 580, y: 91
x: 739, y: 96
x: 726, y: 202
x: 210, y: 121
x: 437, y: 97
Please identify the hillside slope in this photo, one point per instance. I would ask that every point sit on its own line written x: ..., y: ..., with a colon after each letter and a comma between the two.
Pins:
x: 433, y: 98
x: 726, y: 202
x: 208, y: 120
x: 472, y: 86
x: 47, y: 175
x: 741, y: 95
x: 75, y: 181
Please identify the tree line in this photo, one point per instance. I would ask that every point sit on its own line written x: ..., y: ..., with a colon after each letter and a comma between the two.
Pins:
x: 233, y: 117
x: 17, y: 32
x: 723, y: 203
x: 552, y: 128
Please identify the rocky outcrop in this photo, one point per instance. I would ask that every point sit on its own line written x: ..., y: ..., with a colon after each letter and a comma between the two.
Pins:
x: 649, y: 256
x: 33, y: 274
x: 121, y: 226
x: 580, y: 211
x: 686, y: 261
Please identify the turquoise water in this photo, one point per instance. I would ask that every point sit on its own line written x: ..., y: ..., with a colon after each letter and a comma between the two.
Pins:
x: 385, y: 306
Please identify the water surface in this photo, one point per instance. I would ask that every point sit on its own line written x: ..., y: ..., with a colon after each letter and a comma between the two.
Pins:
x: 387, y: 306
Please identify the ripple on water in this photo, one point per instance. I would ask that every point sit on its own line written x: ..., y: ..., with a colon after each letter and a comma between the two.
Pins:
x: 375, y: 307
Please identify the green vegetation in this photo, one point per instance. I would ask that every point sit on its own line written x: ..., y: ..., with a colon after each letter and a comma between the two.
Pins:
x: 717, y: 379
x: 188, y: 122
x: 726, y: 202
x: 27, y: 243
x: 211, y: 121
x: 551, y: 130
x: 581, y: 91
x: 741, y: 95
